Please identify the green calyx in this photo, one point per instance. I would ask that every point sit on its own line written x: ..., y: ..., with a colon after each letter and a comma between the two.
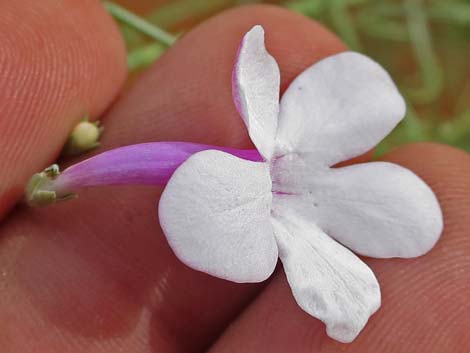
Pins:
x: 39, y: 191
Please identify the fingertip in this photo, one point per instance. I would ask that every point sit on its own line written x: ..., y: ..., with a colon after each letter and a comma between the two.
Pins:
x: 422, y: 153
x: 59, y: 62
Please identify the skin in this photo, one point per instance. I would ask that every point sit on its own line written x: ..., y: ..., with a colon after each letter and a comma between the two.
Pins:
x: 96, y: 274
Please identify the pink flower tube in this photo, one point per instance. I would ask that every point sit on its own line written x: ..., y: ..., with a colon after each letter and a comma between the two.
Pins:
x: 141, y: 164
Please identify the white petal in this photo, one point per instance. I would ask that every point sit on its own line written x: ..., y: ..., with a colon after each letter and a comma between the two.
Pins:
x: 376, y: 209
x: 327, y: 280
x: 337, y: 109
x: 215, y: 213
x: 255, y: 88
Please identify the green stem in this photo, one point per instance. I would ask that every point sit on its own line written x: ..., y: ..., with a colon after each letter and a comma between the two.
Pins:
x: 343, y: 23
x: 137, y: 22
x: 307, y: 7
x: 144, y: 56
x: 455, y: 13
x: 182, y: 10
x: 379, y: 26
x: 424, y: 52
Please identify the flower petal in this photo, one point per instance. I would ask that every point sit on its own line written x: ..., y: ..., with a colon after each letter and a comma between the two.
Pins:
x: 327, y: 280
x: 337, y: 109
x: 255, y: 88
x: 376, y: 209
x: 215, y: 213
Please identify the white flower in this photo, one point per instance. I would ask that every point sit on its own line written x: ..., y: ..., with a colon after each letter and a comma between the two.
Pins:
x: 233, y: 218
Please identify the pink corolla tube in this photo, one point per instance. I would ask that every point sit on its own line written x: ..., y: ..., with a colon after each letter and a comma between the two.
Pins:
x: 150, y: 163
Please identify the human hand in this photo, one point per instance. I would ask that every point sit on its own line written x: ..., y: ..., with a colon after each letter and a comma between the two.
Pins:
x: 97, y: 275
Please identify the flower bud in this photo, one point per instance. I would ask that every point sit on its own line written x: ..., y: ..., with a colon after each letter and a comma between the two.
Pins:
x: 84, y: 137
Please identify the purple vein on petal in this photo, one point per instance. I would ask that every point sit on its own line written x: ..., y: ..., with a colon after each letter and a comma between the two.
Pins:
x: 142, y: 164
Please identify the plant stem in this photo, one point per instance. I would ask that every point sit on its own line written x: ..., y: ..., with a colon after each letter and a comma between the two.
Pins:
x: 424, y: 52
x: 343, y: 23
x: 183, y: 10
x: 140, y: 24
x: 144, y: 56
